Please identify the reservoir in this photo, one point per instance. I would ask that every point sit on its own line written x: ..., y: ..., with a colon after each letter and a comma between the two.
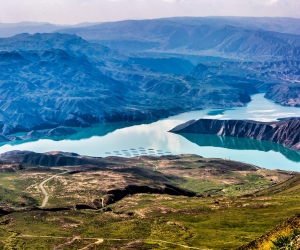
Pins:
x: 131, y: 139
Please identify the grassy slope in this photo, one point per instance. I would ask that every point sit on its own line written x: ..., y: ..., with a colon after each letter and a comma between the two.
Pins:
x: 285, y: 191
x: 218, y: 220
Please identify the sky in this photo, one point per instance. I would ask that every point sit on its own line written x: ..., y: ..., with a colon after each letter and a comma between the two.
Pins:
x: 78, y: 11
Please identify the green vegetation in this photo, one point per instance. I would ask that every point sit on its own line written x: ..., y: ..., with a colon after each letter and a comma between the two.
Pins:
x: 220, y: 217
x: 287, y: 242
x: 281, y: 241
x: 211, y: 222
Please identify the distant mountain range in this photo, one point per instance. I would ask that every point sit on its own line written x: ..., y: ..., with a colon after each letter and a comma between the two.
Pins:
x: 141, y: 70
x: 277, y: 24
x: 217, y: 36
x: 11, y: 29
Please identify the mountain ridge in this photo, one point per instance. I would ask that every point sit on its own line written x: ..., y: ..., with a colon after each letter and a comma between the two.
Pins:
x: 169, y: 34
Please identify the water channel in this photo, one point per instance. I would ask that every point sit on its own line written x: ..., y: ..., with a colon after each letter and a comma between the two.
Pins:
x: 128, y: 139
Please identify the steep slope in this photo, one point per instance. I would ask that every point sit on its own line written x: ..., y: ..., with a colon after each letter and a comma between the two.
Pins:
x: 41, y: 89
x: 286, y: 131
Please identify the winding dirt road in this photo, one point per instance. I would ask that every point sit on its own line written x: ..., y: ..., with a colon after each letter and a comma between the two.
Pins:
x: 41, y: 187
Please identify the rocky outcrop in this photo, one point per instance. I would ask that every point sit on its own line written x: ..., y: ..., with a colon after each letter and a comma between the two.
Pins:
x: 286, y: 131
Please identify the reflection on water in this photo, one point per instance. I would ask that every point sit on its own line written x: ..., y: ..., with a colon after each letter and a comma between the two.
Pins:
x: 85, y: 133
x: 119, y: 138
x: 216, y: 112
x: 241, y: 144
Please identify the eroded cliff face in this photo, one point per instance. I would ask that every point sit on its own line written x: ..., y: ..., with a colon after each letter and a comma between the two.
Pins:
x: 286, y: 131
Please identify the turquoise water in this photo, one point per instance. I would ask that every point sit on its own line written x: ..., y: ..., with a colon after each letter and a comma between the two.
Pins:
x: 152, y: 138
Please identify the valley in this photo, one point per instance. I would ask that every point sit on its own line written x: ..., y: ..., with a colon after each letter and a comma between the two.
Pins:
x: 81, y: 76
x: 169, y: 133
x: 129, y: 139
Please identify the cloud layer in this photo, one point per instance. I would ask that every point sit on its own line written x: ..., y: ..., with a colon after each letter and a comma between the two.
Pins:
x: 76, y: 11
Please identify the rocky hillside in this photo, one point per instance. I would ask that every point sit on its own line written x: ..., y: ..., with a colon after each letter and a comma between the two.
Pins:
x: 285, y: 94
x: 286, y: 131
x: 53, y: 80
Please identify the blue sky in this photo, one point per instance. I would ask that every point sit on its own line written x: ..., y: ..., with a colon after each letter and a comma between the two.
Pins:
x: 77, y: 11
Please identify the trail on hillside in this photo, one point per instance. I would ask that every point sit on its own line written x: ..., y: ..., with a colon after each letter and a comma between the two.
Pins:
x: 42, y: 188
x: 100, y: 240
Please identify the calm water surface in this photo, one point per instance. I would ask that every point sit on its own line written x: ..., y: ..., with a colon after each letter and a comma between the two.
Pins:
x: 132, y: 139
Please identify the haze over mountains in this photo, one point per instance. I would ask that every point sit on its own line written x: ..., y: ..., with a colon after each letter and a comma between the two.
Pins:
x: 142, y: 70
x: 188, y: 35
x: 11, y: 29
x: 278, y: 24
